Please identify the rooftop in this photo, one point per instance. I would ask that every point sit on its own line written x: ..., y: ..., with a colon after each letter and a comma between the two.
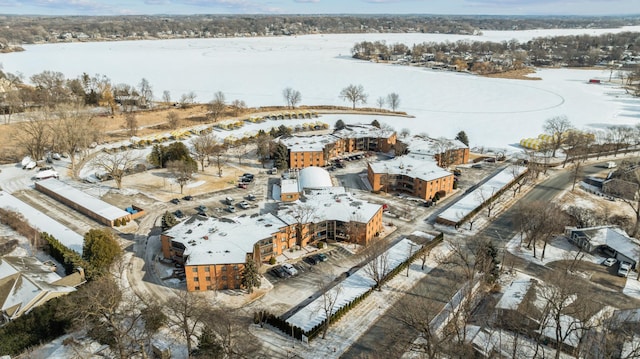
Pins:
x: 75, y: 195
x: 332, y: 203
x: 363, y: 131
x: 307, y: 143
x: 210, y: 240
x: 42, y: 222
x: 430, y: 146
x: 613, y: 237
x: 416, y: 166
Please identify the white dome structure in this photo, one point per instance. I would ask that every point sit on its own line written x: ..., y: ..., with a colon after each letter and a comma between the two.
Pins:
x: 314, y: 177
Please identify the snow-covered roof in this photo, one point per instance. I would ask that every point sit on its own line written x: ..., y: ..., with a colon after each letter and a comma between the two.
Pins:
x: 209, y: 240
x: 314, y: 177
x: 613, y: 237
x: 416, y: 166
x: 332, y: 203
x: 307, y: 143
x: 289, y: 185
x: 27, y: 283
x: 93, y: 204
x: 515, y: 293
x: 429, y: 146
x: 363, y: 131
x: 42, y: 222
x: 474, y: 199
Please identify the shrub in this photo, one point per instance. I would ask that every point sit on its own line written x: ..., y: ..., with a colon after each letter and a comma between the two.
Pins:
x: 272, y: 260
x: 320, y: 245
x: 116, y: 223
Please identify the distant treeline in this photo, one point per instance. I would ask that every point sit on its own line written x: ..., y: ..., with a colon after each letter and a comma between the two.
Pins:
x: 37, y: 29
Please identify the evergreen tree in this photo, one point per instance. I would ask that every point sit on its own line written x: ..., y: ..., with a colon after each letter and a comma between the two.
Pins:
x: 281, y: 157
x: 462, y: 137
x: 208, y: 346
x: 250, y: 276
x: 375, y: 123
x: 339, y: 125
x: 168, y: 220
x: 100, y: 249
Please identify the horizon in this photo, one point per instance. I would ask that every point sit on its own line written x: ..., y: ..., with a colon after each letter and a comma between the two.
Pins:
x: 582, y: 8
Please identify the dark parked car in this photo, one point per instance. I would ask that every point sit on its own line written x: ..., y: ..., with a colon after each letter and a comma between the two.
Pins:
x: 201, y: 208
x: 187, y: 198
x: 175, y: 201
x: 178, y: 214
x: 279, y: 272
x: 311, y: 260
x: 321, y: 257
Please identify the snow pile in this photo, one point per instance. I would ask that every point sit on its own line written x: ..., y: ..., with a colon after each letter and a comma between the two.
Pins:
x: 477, y: 197
x: 351, y: 288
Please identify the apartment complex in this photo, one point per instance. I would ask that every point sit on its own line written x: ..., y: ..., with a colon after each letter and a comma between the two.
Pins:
x: 446, y: 152
x: 415, y: 175
x: 214, y: 250
x: 307, y: 151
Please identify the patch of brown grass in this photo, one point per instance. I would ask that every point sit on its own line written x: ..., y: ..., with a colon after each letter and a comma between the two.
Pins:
x: 515, y: 74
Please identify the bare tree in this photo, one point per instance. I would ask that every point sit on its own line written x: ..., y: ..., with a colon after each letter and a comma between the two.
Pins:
x: 557, y: 128
x: 354, y: 94
x: 218, y: 151
x: 393, y: 99
x: 146, y: 92
x: 115, y: 164
x: 188, y: 99
x: 238, y: 107
x: 329, y: 297
x: 217, y: 106
x: 381, y: 101
x: 488, y: 199
x: 203, y: 147
x: 576, y: 174
x: 186, y: 312
x: 34, y: 135
x: 377, y: 258
x: 292, y: 97
x: 173, y: 119
x: 442, y: 148
x: 540, y: 221
x: 182, y: 171
x: 231, y: 333
x: 75, y: 130
x: 166, y: 97
x: 131, y: 123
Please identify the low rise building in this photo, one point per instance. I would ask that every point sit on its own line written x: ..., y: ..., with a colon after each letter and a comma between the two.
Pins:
x: 308, y: 178
x: 611, y: 241
x: 26, y: 283
x: 415, y: 175
x: 214, y: 251
x: 307, y: 151
x: 446, y: 152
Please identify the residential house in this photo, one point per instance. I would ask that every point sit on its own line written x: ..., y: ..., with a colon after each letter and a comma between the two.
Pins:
x: 611, y: 241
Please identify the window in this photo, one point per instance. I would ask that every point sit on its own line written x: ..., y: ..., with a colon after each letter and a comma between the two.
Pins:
x: 208, y: 279
x: 237, y: 277
x: 197, y: 288
x: 194, y: 269
x: 196, y: 279
x: 224, y: 268
x: 206, y: 269
x: 224, y: 277
x: 209, y: 287
x: 235, y: 267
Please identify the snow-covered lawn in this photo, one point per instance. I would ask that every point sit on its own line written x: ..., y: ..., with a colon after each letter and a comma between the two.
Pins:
x: 557, y: 250
x: 632, y: 288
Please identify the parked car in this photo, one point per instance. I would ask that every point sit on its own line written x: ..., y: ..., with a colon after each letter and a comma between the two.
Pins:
x: 289, y: 269
x: 243, y: 205
x: 279, y: 272
x: 202, y: 208
x: 178, y: 214
x: 609, y: 262
x: 311, y: 260
x: 228, y: 200
x: 175, y: 201
x: 624, y: 269
x: 251, y: 197
x: 187, y: 198
x: 322, y: 257
x: 45, y: 168
x: 231, y: 209
x: 55, y: 156
x: 477, y: 165
x: 242, y: 185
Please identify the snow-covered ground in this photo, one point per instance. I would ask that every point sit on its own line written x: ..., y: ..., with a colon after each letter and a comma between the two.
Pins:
x: 493, y: 112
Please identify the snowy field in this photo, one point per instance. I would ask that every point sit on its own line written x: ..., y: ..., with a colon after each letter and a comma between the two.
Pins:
x: 493, y: 112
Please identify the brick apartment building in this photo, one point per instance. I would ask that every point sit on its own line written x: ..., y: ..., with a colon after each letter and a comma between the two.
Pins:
x: 214, y: 250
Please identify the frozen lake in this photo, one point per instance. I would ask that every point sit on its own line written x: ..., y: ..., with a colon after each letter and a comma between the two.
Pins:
x: 493, y: 112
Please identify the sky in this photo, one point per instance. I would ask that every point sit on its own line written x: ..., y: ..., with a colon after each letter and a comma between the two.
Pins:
x: 451, y: 7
